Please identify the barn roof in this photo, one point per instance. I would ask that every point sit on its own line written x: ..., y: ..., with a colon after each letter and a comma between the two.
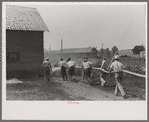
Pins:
x: 127, y: 52
x: 24, y: 18
x: 79, y: 50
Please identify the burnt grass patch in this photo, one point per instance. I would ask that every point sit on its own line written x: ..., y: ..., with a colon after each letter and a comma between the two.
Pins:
x: 36, y: 90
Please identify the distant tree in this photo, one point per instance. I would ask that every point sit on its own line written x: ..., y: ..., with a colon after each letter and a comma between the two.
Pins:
x: 114, y: 49
x: 107, y: 51
x: 137, y: 49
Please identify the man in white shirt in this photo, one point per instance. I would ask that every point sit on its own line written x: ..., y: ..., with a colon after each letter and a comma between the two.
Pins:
x: 71, y: 69
x: 63, y: 65
x: 87, y: 67
x: 117, y: 67
x: 83, y: 70
x: 103, y: 74
x: 47, y: 68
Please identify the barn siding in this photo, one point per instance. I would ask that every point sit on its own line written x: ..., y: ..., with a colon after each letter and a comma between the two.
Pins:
x: 29, y: 45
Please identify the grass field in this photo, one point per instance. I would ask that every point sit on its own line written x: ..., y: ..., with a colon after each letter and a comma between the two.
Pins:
x: 136, y: 65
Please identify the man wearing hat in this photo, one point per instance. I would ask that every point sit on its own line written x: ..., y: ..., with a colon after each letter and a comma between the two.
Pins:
x: 71, y: 69
x: 47, y: 68
x: 103, y: 74
x: 63, y: 65
x: 83, y: 69
x: 87, y: 67
x: 117, y: 68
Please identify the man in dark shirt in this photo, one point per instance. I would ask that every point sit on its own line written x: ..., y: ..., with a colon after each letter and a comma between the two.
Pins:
x: 63, y: 65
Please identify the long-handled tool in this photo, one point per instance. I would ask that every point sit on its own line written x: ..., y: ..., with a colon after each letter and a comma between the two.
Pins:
x: 111, y: 60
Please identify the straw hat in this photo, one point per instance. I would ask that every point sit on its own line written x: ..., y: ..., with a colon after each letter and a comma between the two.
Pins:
x: 116, y: 57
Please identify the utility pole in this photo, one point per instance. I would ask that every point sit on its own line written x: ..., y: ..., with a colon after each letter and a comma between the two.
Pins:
x: 49, y: 50
x: 102, y: 49
x: 61, y: 47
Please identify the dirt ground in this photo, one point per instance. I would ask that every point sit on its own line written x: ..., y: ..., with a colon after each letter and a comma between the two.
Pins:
x: 37, y: 89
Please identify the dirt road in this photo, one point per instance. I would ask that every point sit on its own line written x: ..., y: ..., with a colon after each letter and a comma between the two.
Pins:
x: 63, y: 90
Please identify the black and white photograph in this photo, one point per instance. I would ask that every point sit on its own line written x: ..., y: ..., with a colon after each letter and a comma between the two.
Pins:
x: 66, y: 56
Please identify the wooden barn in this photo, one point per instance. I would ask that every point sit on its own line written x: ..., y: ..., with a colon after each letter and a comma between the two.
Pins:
x: 79, y: 52
x: 24, y: 40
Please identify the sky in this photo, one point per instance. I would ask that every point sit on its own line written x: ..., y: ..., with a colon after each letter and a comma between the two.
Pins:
x: 92, y: 24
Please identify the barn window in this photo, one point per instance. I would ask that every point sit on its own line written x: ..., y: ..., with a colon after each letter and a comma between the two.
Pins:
x: 12, y: 56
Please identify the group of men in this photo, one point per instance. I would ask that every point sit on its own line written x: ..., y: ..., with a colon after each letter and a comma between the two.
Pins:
x: 117, y: 68
x: 69, y: 68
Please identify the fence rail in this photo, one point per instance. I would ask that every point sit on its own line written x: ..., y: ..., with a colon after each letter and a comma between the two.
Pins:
x: 128, y: 72
x: 133, y: 73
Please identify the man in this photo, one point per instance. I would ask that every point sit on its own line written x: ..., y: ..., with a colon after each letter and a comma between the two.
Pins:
x: 71, y: 69
x: 83, y: 70
x: 63, y: 65
x: 87, y: 67
x: 47, y: 68
x: 103, y: 74
x: 117, y: 68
